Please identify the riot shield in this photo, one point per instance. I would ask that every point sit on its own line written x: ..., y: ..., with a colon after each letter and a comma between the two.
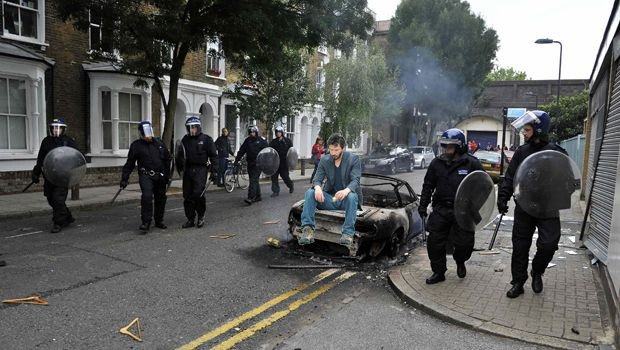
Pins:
x: 544, y: 183
x: 268, y: 161
x: 474, y: 201
x: 64, y: 166
x: 179, y: 157
x: 291, y: 158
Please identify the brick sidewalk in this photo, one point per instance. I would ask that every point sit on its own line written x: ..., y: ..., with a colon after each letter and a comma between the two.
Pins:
x: 34, y: 203
x: 570, y: 313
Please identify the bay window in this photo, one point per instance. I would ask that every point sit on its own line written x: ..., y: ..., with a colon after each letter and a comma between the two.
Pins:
x: 13, y: 114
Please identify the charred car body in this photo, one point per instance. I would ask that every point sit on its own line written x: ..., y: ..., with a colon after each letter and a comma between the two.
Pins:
x: 388, y: 218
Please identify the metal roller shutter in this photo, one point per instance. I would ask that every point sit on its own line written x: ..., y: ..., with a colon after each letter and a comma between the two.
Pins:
x: 605, y: 176
x: 597, y: 110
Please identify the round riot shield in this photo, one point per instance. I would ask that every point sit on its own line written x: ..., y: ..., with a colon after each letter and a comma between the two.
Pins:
x: 179, y: 157
x: 291, y: 158
x: 474, y: 201
x: 544, y: 183
x: 64, y: 166
x: 268, y: 161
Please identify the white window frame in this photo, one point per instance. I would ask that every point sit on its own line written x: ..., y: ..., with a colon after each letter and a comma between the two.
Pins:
x: 9, y: 114
x: 90, y: 26
x: 129, y: 123
x: 221, y: 62
x: 40, y: 39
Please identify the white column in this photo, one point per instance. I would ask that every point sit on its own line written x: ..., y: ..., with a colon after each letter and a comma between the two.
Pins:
x: 238, y: 138
x: 96, y: 127
x: 115, y: 118
x: 40, y: 126
x: 216, y: 120
x: 34, y: 117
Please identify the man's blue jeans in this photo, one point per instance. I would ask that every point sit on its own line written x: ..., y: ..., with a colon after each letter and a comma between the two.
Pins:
x: 349, y: 205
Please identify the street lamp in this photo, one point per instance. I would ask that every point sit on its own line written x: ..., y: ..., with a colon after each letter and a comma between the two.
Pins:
x: 551, y: 41
x: 529, y: 93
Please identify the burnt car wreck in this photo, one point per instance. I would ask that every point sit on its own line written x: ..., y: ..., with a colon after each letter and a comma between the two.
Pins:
x: 388, y: 218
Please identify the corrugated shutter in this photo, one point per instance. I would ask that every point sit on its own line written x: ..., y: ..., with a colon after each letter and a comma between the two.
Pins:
x: 605, y: 176
x: 597, y: 110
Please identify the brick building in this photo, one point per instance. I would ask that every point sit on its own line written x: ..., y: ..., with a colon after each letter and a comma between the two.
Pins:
x: 46, y: 72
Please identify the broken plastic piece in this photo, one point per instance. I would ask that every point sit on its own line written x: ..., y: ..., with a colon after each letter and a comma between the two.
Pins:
x: 125, y: 330
x: 34, y: 299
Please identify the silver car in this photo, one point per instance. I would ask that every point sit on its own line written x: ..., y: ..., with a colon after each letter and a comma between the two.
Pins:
x: 422, y: 155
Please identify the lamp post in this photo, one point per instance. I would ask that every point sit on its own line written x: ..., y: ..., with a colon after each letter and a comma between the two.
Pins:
x: 529, y: 93
x: 551, y: 41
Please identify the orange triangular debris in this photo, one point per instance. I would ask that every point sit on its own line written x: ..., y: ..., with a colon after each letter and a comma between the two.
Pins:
x: 125, y: 330
x: 34, y: 299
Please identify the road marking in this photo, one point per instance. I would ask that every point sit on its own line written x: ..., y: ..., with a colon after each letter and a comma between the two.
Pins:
x: 23, y: 234
x: 176, y: 209
x: 255, y: 312
x: 266, y: 322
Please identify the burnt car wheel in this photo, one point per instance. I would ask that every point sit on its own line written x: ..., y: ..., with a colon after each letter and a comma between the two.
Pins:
x: 393, y: 246
x: 423, y: 164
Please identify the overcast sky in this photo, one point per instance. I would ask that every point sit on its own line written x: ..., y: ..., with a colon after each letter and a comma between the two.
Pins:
x: 578, y: 24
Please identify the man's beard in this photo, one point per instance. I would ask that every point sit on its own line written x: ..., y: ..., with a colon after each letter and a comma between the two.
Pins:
x: 337, y: 157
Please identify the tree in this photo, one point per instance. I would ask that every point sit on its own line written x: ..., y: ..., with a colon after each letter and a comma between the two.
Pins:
x: 152, y: 38
x: 443, y: 53
x: 360, y: 87
x: 567, y: 117
x: 271, y: 91
x: 502, y: 73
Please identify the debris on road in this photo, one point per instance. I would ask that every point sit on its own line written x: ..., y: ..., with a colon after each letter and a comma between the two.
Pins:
x: 551, y: 265
x: 273, y: 242
x: 223, y: 236
x: 571, y: 252
x: 347, y: 300
x: 125, y: 330
x: 271, y: 222
x: 34, y: 299
x: 292, y: 267
x: 574, y: 330
x: 572, y: 239
x: 489, y: 252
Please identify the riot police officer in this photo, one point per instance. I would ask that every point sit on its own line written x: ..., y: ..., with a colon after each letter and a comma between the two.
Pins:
x: 56, y: 195
x: 281, y: 144
x: 250, y: 148
x: 442, y: 179
x: 535, y: 128
x: 154, y: 173
x: 199, y: 150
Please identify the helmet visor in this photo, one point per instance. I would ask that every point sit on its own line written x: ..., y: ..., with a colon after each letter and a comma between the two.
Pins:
x: 57, y: 130
x: 445, y: 142
x: 147, y: 130
x: 528, y: 118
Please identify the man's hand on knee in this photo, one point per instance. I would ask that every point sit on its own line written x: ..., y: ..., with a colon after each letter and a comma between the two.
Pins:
x: 341, y: 195
x: 318, y: 194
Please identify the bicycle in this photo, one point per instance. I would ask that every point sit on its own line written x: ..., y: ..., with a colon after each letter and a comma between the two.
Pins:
x: 236, y: 176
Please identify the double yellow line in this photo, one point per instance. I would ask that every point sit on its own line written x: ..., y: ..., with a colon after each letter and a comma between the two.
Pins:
x: 274, y: 317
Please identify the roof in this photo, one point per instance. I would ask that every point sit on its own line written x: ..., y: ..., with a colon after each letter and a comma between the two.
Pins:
x: 11, y: 49
x: 100, y: 67
x: 382, y: 26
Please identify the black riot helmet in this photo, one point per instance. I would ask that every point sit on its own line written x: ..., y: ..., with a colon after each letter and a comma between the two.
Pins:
x: 253, y: 130
x: 57, y: 127
x: 279, y: 129
x: 193, y: 122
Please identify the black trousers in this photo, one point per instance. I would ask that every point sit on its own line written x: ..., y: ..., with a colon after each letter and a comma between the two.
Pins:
x: 442, y: 228
x: 254, y: 187
x: 153, y: 188
x: 284, y: 174
x: 194, y: 180
x: 546, y: 244
x: 56, y: 198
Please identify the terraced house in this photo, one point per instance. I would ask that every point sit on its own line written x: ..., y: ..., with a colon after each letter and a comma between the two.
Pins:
x: 46, y: 71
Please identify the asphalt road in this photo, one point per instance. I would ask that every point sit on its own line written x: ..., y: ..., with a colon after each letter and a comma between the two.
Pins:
x: 190, y: 289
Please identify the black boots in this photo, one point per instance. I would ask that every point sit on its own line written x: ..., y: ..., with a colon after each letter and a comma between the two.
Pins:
x: 144, y: 228
x: 161, y: 225
x: 56, y: 228
x: 188, y: 224
x: 537, y: 283
x: 435, y: 278
x: 291, y: 189
x: 515, y: 291
x: 461, y: 271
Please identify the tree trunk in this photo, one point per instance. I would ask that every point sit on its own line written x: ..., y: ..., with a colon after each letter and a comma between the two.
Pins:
x: 175, y: 75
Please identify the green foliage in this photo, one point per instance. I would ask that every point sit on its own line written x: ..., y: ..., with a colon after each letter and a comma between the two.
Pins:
x: 567, y: 117
x: 143, y: 32
x: 443, y: 52
x: 271, y: 91
x: 502, y: 73
x: 360, y: 87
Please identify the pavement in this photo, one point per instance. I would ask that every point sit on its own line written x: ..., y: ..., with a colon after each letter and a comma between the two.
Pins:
x: 570, y: 313
x: 34, y: 203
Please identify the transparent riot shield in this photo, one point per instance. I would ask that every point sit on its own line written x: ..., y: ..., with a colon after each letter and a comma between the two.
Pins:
x: 268, y: 161
x: 64, y: 166
x: 474, y: 201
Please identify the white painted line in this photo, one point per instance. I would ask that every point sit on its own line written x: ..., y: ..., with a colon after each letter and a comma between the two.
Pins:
x: 23, y: 234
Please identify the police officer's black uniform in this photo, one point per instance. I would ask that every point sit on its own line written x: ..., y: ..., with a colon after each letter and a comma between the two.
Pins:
x: 524, y: 224
x: 199, y: 150
x: 154, y: 172
x: 282, y: 146
x: 56, y: 195
x: 442, y: 179
x: 250, y: 148
x: 224, y: 149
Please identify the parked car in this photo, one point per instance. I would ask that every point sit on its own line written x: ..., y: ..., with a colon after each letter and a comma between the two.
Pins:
x: 422, y: 155
x: 388, y: 159
x: 490, y: 161
x: 388, y: 220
